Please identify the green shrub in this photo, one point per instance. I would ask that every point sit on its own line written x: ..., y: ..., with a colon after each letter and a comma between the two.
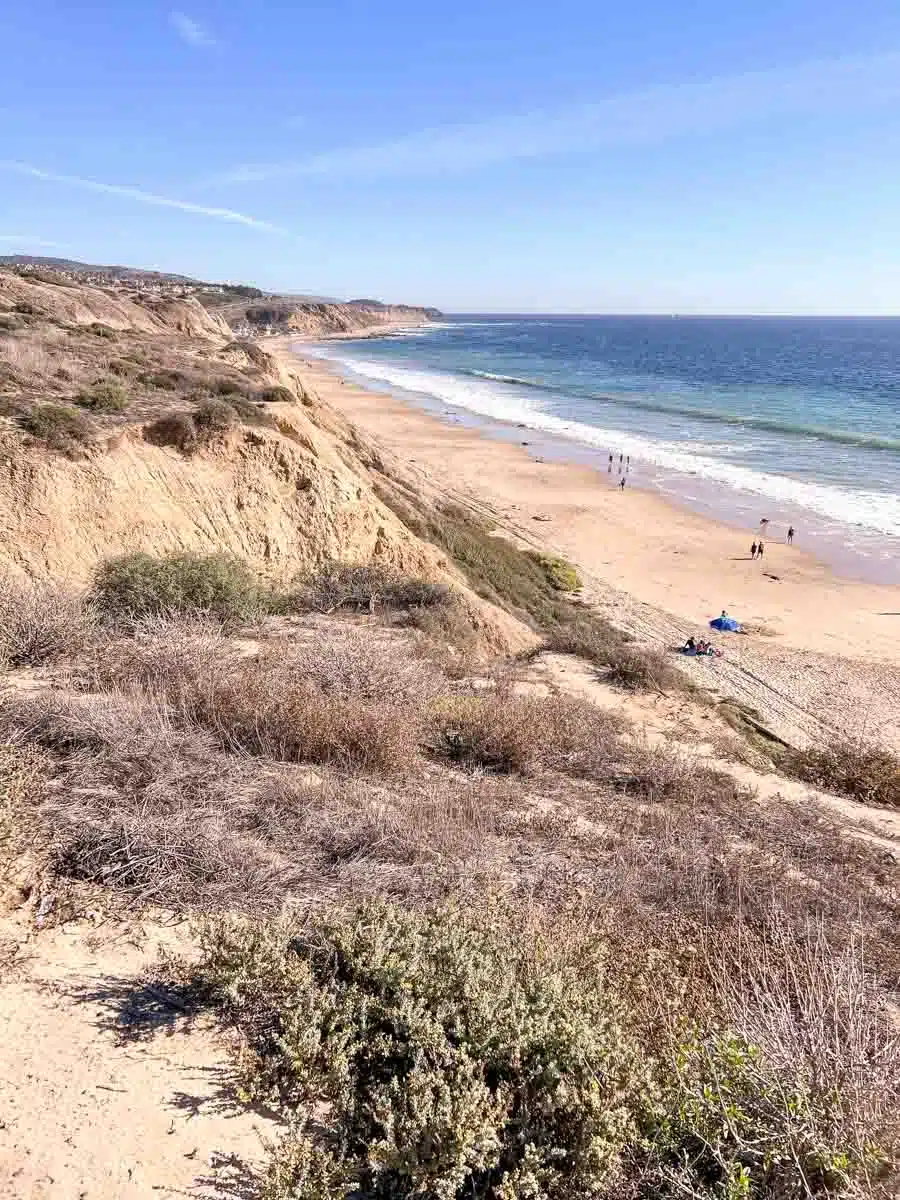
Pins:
x: 276, y: 395
x: 467, y: 1051
x: 868, y: 773
x: 173, y: 429
x: 137, y: 585
x: 228, y: 387
x: 58, y: 425
x: 251, y: 413
x: 561, y: 575
x: 214, y: 418
x: 496, y: 569
x: 105, y: 396
x: 169, y: 379
x: 451, y: 1060
x: 367, y: 586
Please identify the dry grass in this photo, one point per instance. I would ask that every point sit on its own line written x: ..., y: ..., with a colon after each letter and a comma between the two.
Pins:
x: 505, y: 733
x: 451, y: 629
x: 638, y: 669
x: 167, y: 379
x: 161, y: 813
x: 155, y: 812
x: 28, y: 357
x: 42, y: 623
x: 868, y: 773
x: 344, y: 700
x: 647, y: 836
x: 634, y: 668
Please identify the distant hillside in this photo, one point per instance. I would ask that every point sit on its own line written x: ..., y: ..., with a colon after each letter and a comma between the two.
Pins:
x: 248, y: 310
x: 81, y: 268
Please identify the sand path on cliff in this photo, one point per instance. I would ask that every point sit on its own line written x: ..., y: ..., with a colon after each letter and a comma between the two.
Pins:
x: 104, y: 1093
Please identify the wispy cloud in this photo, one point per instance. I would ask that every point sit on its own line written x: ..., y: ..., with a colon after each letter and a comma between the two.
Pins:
x: 656, y: 114
x: 141, y: 197
x: 26, y: 239
x: 191, y: 31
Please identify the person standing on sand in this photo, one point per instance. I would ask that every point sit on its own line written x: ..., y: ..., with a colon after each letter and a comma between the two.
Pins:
x: 622, y: 483
x: 759, y: 550
x: 790, y: 535
x: 753, y: 551
x: 763, y: 524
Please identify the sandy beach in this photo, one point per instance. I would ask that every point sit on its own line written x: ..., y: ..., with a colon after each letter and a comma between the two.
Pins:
x: 820, y: 643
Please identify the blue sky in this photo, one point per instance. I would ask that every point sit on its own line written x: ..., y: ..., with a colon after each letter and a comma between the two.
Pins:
x: 580, y: 157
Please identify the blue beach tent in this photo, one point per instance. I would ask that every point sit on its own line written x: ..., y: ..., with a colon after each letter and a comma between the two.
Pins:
x: 726, y: 624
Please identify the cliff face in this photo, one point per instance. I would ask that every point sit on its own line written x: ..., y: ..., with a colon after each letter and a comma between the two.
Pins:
x: 71, y: 304
x: 282, y: 479
x: 322, y: 319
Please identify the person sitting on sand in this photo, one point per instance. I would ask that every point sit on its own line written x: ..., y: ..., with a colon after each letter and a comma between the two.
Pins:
x: 689, y: 647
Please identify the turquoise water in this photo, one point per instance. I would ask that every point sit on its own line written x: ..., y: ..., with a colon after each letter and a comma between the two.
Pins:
x: 791, y: 418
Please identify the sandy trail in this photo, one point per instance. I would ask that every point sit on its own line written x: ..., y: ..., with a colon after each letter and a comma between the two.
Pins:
x: 697, y: 729
x: 826, y: 657
x: 104, y: 1094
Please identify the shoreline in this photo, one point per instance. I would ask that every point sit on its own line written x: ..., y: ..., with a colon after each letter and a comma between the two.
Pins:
x: 850, y: 550
x: 637, y: 544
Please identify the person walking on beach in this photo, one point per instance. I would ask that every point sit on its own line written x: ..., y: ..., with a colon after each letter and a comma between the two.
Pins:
x: 753, y: 551
x: 759, y: 550
x: 790, y: 535
x: 610, y: 464
x: 622, y: 483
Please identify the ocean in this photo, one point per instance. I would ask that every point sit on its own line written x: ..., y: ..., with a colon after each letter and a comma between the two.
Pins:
x: 794, y: 419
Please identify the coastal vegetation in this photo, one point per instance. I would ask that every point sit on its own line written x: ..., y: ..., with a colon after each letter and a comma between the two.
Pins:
x: 458, y: 958
x: 106, y: 395
x: 469, y: 928
x: 62, y: 428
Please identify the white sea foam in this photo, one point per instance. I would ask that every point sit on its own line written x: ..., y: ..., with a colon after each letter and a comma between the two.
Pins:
x: 873, y: 510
